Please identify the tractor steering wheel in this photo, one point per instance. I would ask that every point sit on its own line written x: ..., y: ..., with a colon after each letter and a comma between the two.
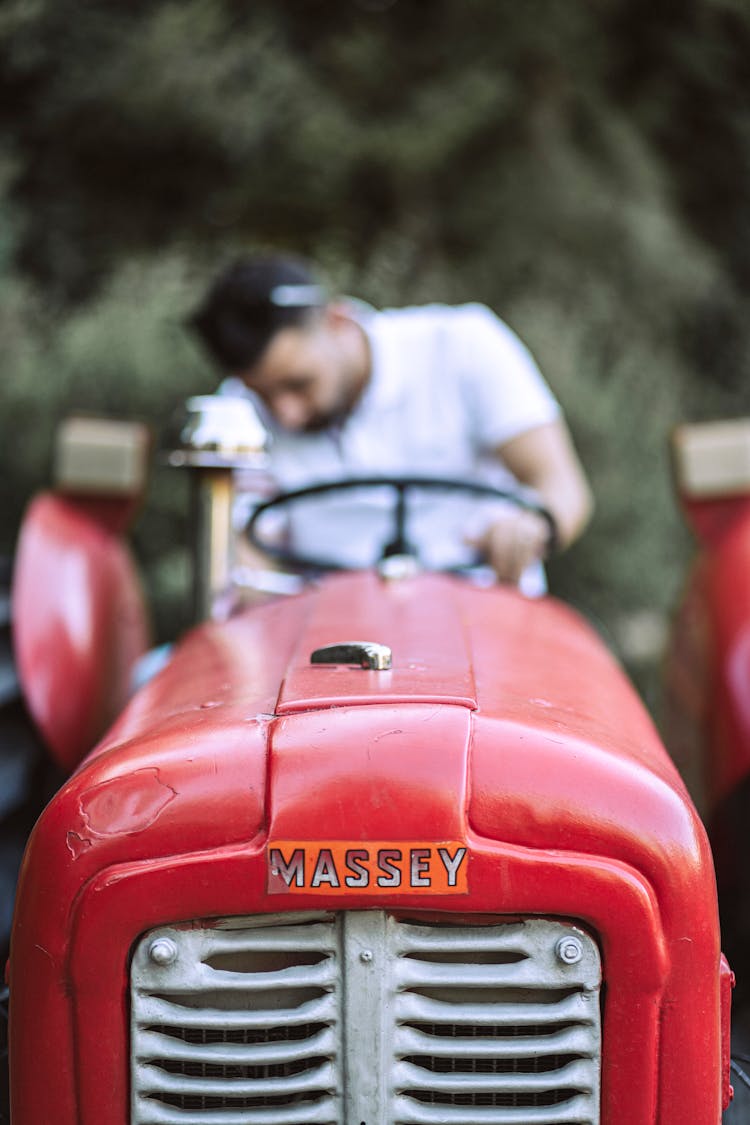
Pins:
x: 398, y: 544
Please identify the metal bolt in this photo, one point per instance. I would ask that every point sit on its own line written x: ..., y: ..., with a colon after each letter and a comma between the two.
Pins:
x: 569, y: 950
x: 366, y: 955
x: 162, y: 951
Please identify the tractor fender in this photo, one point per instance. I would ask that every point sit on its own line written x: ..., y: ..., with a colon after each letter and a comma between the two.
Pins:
x: 79, y: 622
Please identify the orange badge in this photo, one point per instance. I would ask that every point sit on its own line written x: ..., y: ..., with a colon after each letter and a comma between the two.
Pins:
x: 341, y: 867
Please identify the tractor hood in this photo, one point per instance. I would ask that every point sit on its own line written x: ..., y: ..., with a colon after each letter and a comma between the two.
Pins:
x: 501, y: 716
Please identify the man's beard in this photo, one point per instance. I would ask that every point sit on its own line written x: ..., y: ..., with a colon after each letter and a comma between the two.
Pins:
x: 332, y: 419
x: 322, y: 422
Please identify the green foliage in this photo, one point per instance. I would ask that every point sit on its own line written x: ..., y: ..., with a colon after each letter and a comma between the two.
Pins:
x: 583, y: 168
x: 124, y: 353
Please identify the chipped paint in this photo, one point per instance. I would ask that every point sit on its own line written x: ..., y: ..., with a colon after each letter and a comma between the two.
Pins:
x: 125, y: 805
x: 77, y: 845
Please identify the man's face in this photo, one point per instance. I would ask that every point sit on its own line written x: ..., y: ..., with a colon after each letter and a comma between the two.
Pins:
x: 310, y: 377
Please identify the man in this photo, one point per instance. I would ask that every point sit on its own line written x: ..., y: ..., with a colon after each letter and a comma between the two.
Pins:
x: 432, y: 391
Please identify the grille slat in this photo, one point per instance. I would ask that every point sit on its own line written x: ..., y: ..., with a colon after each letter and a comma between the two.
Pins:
x: 574, y: 1076
x: 155, y: 1045
x: 154, y: 1011
x: 422, y: 1009
x: 575, y: 1041
x: 407, y: 1112
x: 206, y: 979
x: 412, y: 974
x: 321, y: 1113
x: 314, y: 937
x: 490, y: 939
x: 155, y: 1080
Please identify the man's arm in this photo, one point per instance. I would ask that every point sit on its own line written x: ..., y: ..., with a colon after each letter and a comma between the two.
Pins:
x: 544, y: 459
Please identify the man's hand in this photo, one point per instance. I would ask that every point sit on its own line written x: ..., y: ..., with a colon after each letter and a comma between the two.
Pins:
x: 545, y: 460
x: 513, y: 541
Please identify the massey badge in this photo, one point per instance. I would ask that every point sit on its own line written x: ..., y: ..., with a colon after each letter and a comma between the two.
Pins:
x: 340, y: 867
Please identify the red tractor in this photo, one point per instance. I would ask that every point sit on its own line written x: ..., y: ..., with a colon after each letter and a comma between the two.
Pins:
x: 395, y: 850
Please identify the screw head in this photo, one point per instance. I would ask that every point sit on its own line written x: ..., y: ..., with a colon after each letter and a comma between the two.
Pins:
x: 366, y: 956
x: 162, y: 951
x: 569, y: 950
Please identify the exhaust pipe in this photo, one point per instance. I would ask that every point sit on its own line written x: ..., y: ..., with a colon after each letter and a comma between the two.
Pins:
x: 216, y: 436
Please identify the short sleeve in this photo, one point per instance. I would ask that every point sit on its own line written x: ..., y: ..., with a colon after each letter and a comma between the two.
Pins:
x: 233, y: 387
x: 504, y: 390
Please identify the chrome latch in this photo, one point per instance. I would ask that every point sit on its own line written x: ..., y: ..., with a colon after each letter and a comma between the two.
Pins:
x: 367, y: 654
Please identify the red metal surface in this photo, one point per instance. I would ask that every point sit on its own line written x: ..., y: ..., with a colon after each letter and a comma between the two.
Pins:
x: 709, y: 666
x: 555, y: 780
x: 727, y: 984
x: 79, y: 620
x: 431, y: 660
x: 713, y: 517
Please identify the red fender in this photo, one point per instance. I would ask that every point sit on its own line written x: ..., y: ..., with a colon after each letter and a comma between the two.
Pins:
x: 707, y: 713
x: 79, y: 621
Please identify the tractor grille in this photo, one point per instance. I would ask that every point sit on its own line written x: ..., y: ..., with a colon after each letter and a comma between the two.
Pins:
x: 362, y: 1019
x: 492, y: 1025
x: 238, y: 1026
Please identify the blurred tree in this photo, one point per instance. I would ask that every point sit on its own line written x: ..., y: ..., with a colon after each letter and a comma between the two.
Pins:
x: 582, y: 167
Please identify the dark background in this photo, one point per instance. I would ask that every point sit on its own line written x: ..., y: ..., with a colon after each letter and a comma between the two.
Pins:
x: 582, y: 167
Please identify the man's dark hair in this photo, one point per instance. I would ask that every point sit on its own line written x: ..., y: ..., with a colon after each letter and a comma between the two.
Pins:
x: 249, y: 303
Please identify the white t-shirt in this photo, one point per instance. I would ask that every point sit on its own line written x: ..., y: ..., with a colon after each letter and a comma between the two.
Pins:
x: 448, y: 386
